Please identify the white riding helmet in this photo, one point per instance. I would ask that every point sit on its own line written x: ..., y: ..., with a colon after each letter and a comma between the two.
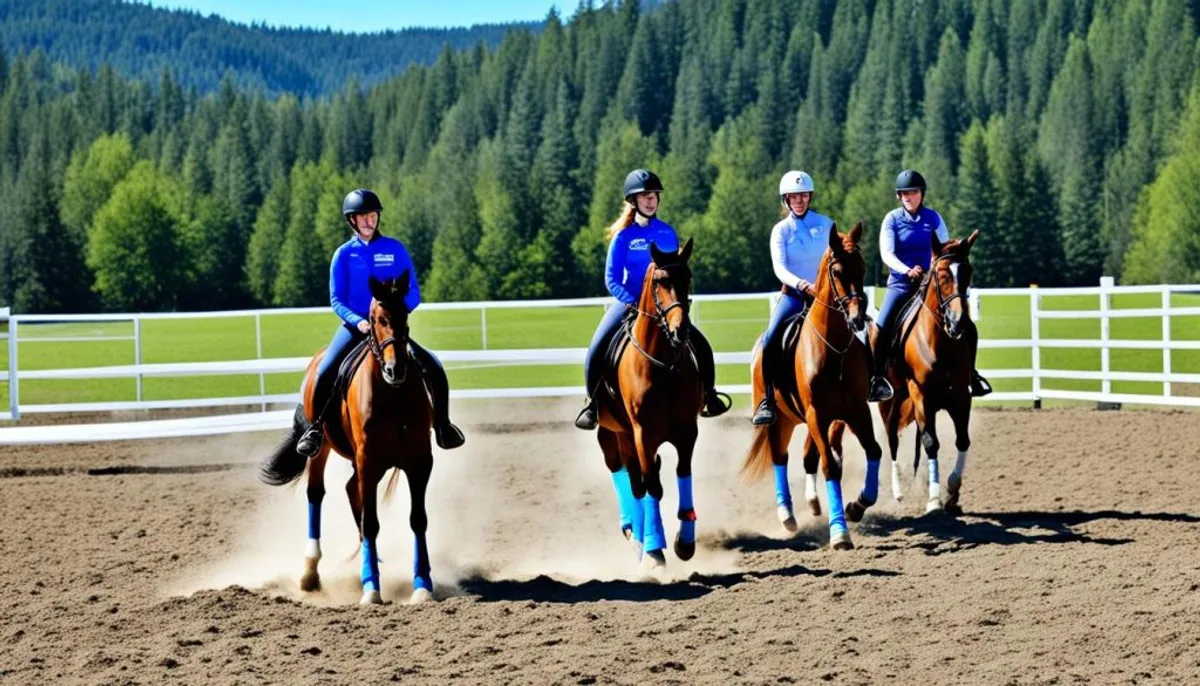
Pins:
x: 794, y: 182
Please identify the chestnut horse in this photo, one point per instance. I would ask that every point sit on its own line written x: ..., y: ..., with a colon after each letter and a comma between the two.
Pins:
x: 933, y: 371
x: 384, y: 423
x: 829, y: 365
x: 655, y: 398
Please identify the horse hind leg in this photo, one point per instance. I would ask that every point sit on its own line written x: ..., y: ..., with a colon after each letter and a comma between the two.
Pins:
x: 418, y: 471
x: 926, y: 423
x: 864, y: 431
x: 961, y: 417
x: 780, y: 439
x: 685, y: 538
x: 311, y: 580
x: 812, y: 461
x: 610, y: 444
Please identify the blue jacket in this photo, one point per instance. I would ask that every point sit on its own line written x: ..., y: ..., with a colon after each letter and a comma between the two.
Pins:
x: 629, y: 256
x: 797, y: 246
x: 904, y: 240
x: 384, y: 258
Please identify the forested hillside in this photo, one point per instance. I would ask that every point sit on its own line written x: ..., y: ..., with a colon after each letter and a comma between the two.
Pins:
x: 141, y: 41
x: 1067, y: 131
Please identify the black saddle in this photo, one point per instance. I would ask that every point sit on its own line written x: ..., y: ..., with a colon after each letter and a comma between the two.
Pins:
x: 905, y: 322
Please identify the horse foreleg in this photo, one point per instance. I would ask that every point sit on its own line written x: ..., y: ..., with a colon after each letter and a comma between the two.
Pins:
x: 685, y: 541
x: 654, y: 536
x: 961, y: 415
x: 812, y: 462
x: 311, y: 580
x: 891, y: 412
x: 863, y: 428
x: 780, y: 439
x: 818, y: 429
x: 611, y: 446
x: 368, y: 484
x: 926, y: 413
x: 417, y: 470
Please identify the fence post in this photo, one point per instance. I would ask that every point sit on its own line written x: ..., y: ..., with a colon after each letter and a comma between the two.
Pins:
x: 262, y: 378
x: 1166, y: 336
x: 1106, y: 285
x: 483, y: 324
x: 137, y: 353
x: 14, y: 404
x: 693, y: 310
x: 1035, y: 304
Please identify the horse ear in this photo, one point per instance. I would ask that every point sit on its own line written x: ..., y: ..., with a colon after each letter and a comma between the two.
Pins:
x: 656, y: 255
x: 378, y: 291
x: 686, y: 253
x: 972, y: 238
x: 402, y: 283
x: 856, y: 232
x: 835, y: 243
x: 936, y: 244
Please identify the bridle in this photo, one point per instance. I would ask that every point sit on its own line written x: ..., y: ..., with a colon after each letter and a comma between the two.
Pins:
x: 943, y: 302
x: 677, y: 344
x: 841, y: 301
x: 377, y: 346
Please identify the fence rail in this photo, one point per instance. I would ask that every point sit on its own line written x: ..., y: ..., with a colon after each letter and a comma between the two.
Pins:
x: 1036, y: 372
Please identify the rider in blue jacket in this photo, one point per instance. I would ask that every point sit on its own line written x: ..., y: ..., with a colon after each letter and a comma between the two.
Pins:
x: 370, y: 253
x: 624, y: 272
x: 905, y: 241
x: 798, y: 242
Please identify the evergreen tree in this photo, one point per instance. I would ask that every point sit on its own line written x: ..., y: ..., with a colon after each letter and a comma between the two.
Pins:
x: 270, y: 230
x: 975, y: 207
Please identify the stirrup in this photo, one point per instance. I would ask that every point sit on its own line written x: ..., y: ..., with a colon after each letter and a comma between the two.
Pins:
x: 880, y: 390
x: 587, y: 419
x: 310, y: 443
x: 716, y: 404
x: 765, y: 414
x: 979, y: 385
x: 448, y: 436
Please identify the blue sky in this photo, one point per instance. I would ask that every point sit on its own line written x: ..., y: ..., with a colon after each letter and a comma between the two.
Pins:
x: 372, y: 15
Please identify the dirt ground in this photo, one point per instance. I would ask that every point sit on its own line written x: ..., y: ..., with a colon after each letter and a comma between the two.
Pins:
x: 151, y: 562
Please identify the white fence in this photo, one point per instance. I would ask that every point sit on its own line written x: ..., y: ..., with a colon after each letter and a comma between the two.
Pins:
x: 1037, y: 373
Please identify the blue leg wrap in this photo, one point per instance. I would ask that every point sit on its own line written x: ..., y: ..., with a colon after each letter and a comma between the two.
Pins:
x: 654, y: 536
x: 783, y: 491
x: 314, y: 520
x: 421, y: 578
x: 625, y: 498
x: 370, y: 566
x: 870, y: 491
x: 837, y: 511
x: 687, y: 510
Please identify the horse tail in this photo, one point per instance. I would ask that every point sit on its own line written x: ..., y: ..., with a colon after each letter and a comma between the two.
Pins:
x: 758, y: 458
x: 390, y: 488
x: 284, y: 465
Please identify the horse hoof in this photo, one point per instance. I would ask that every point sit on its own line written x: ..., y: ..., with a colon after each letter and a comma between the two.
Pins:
x: 684, y: 550
x: 841, y: 541
x: 654, y: 559
x: 371, y: 598
x: 420, y: 595
x: 787, y: 518
x: 310, y: 582
x: 954, y: 484
x: 627, y: 532
x: 855, y: 511
x: 934, y: 505
x: 954, y: 509
x: 814, y: 506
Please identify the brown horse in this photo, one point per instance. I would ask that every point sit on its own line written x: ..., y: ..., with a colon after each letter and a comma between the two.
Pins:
x: 830, y: 378
x: 933, y: 372
x: 384, y: 423
x: 655, y: 398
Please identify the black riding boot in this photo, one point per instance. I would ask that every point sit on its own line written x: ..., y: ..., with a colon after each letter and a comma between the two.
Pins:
x: 716, y: 403
x: 765, y: 413
x: 979, y: 385
x: 878, y: 388
x: 447, y: 435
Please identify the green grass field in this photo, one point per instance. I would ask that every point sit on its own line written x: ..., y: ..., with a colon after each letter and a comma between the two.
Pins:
x: 730, y: 325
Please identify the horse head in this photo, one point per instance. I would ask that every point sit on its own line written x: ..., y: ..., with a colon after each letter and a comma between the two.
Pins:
x: 389, y: 327
x: 950, y: 277
x: 670, y: 284
x: 843, y: 271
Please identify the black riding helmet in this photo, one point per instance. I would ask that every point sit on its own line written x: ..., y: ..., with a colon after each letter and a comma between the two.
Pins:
x: 360, y: 201
x: 910, y: 180
x: 642, y: 181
